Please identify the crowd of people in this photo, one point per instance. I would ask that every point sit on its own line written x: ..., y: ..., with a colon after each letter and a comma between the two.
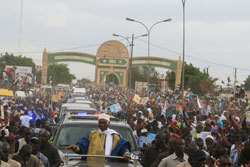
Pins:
x: 198, y: 131
x: 201, y: 131
x: 26, y: 133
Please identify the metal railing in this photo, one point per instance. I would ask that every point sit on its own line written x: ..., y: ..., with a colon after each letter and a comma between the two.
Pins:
x: 134, y: 158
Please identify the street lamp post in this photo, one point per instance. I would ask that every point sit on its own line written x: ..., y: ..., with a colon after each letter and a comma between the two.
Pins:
x: 131, y: 44
x: 183, y: 51
x: 148, y: 31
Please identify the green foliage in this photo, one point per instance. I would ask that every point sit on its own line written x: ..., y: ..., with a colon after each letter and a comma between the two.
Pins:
x: 140, y: 74
x: 247, y: 83
x: 12, y: 60
x: 60, y: 74
x: 192, y: 78
x: 208, y: 85
x: 170, y: 76
x: 83, y: 81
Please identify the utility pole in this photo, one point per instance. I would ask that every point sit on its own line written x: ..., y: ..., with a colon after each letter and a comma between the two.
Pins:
x: 235, y: 73
x: 130, y: 67
x: 183, y: 51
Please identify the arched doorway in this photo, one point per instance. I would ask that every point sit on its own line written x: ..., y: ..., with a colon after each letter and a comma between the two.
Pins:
x: 111, y: 80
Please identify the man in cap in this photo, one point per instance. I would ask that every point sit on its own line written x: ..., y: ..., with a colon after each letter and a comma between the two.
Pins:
x: 103, y: 141
x: 145, y: 140
x: 36, y: 151
x: 49, y: 150
x: 196, y: 159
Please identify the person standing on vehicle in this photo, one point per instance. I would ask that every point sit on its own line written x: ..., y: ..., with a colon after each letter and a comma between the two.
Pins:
x: 103, y: 141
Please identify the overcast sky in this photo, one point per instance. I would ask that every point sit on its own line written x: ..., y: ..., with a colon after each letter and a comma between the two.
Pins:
x: 217, y: 31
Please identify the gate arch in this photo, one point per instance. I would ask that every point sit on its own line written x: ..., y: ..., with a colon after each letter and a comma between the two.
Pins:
x: 112, y: 57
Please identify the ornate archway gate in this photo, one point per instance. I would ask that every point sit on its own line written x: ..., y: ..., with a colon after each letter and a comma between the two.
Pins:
x: 112, y: 58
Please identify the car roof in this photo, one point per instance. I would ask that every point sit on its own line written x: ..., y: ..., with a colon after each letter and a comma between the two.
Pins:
x: 81, y: 98
x: 83, y: 101
x: 74, y: 104
x: 88, y: 108
x: 91, y: 119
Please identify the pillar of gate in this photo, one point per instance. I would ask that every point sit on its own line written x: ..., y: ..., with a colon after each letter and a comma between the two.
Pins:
x: 178, y: 71
x: 45, y: 65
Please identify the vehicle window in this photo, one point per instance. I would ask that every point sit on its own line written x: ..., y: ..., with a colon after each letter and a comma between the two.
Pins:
x: 71, y: 134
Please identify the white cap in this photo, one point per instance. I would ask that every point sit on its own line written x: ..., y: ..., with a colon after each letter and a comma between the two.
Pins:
x: 104, y: 116
x: 237, y: 119
x: 144, y: 131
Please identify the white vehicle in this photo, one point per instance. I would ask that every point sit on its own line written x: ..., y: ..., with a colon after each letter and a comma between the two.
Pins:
x: 68, y: 106
x: 65, y: 87
x: 79, y: 91
x: 46, y: 88
x: 20, y: 94
x: 81, y: 98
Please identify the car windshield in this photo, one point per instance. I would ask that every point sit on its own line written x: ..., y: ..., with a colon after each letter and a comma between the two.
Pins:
x: 70, y: 134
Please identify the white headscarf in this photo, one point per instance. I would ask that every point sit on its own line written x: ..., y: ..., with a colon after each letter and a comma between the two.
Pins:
x: 109, y: 140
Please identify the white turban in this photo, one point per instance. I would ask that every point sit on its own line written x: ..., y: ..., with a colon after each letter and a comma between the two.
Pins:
x: 104, y: 116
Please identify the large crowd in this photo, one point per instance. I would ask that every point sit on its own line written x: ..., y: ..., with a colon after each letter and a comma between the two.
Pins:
x: 198, y: 131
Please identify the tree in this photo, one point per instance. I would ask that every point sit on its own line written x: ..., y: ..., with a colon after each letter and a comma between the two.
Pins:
x: 60, y: 74
x: 83, y: 81
x: 12, y: 60
x: 208, y: 85
x: 247, y: 83
x: 140, y: 74
x: 170, y: 77
x: 192, y: 79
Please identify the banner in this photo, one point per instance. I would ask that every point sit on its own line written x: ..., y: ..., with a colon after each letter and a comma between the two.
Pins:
x: 198, y: 102
x: 38, y: 68
x: 60, y: 93
x: 2, y: 112
x: 162, y: 76
x: 137, y: 99
x: 56, y: 98
x: 144, y: 100
x: 179, y: 108
x: 115, y: 107
x: 165, y: 106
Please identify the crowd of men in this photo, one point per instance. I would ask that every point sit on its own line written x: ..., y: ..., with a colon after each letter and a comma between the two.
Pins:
x: 197, y: 132
x: 201, y: 131
x: 25, y: 133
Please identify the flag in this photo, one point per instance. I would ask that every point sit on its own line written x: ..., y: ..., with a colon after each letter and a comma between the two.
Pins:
x: 115, y: 107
